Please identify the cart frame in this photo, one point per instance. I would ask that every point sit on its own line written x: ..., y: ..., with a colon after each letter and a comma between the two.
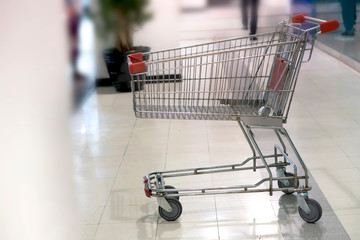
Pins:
x: 168, y: 196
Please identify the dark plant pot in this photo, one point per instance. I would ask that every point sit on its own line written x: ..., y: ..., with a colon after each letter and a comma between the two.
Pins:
x: 117, y: 67
x: 112, y: 58
x: 124, y: 83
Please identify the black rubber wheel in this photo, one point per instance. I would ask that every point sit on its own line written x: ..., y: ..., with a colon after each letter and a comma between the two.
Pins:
x: 172, y: 192
x: 292, y: 183
x: 175, y: 212
x: 314, y: 215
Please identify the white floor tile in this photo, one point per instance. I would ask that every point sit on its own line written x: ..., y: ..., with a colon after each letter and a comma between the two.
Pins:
x: 188, y: 230
x: 92, y: 216
x: 88, y: 232
x: 252, y: 229
x: 134, y: 230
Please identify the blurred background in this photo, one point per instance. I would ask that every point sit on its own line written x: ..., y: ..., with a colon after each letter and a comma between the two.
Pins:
x: 168, y: 24
x: 53, y: 54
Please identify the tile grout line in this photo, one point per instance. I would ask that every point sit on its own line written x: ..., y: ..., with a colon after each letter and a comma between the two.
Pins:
x: 166, y: 153
x: 167, y: 145
x: 208, y: 144
x: 97, y: 228
x: 81, y: 158
x: 117, y: 172
x: 212, y: 180
x: 157, y: 228
x: 217, y: 220
x: 131, y: 135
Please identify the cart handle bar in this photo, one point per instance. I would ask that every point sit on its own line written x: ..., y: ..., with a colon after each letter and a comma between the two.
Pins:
x: 136, y: 64
x: 325, y: 26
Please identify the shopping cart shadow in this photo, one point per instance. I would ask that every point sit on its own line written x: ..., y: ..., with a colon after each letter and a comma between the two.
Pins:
x: 293, y: 227
x: 124, y: 206
x: 146, y: 227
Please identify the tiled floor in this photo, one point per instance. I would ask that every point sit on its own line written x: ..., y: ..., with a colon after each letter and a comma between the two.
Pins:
x: 113, y: 150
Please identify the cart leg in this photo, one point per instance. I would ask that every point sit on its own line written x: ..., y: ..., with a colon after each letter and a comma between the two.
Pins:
x: 281, y: 141
x: 280, y: 171
x: 298, y: 157
x: 249, y: 142
x: 160, y: 183
x: 256, y: 146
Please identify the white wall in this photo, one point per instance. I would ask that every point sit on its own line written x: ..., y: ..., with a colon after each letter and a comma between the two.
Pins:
x: 36, y: 197
x: 162, y: 31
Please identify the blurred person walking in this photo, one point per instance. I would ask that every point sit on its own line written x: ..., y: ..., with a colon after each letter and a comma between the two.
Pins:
x: 253, y: 5
x: 349, y: 16
x: 74, y: 18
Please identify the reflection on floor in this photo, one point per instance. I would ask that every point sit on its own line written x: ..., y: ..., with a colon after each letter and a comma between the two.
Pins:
x: 83, y: 80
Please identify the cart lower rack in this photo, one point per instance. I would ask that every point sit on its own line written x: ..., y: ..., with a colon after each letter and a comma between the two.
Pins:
x: 239, y: 79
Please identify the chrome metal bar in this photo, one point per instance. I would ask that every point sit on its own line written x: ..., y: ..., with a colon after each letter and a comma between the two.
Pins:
x: 288, y: 159
x: 280, y: 139
x: 250, y: 134
x: 198, y: 169
x: 207, y: 43
x: 298, y: 157
x: 222, y: 52
x: 316, y: 20
x: 231, y: 192
x: 222, y: 190
x: 249, y: 142
x: 218, y: 171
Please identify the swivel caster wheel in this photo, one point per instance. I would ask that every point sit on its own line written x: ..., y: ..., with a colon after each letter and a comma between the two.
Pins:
x: 175, y: 212
x: 315, y: 211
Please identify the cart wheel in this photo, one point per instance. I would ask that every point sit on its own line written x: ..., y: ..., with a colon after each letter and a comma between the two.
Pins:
x: 174, y: 192
x: 176, y: 210
x: 315, y: 214
x: 292, y: 183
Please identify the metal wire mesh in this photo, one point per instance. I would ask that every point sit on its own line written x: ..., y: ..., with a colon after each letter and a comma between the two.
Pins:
x: 221, y: 80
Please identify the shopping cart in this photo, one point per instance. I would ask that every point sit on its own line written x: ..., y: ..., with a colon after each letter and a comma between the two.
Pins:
x: 248, y: 80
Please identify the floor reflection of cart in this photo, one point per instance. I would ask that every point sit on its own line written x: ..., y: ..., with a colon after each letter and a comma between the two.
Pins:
x: 241, y: 79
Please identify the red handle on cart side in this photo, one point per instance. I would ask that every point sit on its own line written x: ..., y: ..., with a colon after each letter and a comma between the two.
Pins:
x: 136, y: 64
x: 329, y: 26
x: 299, y: 18
x: 137, y: 67
x: 325, y: 26
x: 135, y: 57
x: 146, y: 187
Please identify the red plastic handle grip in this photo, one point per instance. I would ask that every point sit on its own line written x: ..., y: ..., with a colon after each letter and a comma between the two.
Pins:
x: 329, y: 26
x: 137, y: 67
x: 146, y: 187
x: 299, y: 18
x: 135, y: 57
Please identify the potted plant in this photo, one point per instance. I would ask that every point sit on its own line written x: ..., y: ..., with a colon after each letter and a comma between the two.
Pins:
x: 119, y: 19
